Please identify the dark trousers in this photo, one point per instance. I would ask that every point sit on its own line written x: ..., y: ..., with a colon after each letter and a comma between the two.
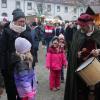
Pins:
x: 97, y: 91
x: 82, y: 89
x: 47, y: 40
x: 62, y: 73
x: 1, y: 81
x: 10, y: 85
x: 35, y: 56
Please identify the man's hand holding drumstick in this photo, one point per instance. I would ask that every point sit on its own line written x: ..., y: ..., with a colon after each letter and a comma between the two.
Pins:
x: 94, y: 52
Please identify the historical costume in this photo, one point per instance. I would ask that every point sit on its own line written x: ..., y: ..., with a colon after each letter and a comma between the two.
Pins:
x: 76, y: 88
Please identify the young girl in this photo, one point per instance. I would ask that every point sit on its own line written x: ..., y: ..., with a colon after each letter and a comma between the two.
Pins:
x: 23, y: 73
x: 62, y: 48
x: 54, y: 61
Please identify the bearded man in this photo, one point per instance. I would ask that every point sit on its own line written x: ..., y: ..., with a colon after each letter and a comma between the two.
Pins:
x: 85, y: 41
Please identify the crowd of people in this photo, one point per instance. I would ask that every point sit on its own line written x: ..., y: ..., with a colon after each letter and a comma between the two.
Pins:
x: 68, y: 45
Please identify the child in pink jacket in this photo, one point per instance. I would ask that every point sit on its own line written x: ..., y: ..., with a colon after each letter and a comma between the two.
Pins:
x: 62, y: 47
x: 55, y: 59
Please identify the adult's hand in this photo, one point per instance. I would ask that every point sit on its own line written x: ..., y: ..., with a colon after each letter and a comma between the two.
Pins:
x: 95, y: 52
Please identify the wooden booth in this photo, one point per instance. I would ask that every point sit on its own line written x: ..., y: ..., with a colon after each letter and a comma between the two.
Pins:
x: 95, y: 12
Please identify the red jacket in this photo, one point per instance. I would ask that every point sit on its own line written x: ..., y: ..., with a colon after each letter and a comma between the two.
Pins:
x: 49, y: 31
x: 55, y: 60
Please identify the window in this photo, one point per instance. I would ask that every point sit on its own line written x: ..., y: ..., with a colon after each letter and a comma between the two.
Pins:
x: 4, y: 14
x: 17, y: 4
x: 49, y: 8
x: 75, y: 10
x: 81, y: 10
x: 58, y: 8
x: 40, y: 8
x: 66, y: 9
x: 29, y: 6
x: 4, y: 3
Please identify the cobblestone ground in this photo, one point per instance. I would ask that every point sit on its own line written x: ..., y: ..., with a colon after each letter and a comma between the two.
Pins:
x: 43, y: 77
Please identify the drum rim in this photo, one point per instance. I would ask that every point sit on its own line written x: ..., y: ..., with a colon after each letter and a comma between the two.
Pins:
x: 85, y: 67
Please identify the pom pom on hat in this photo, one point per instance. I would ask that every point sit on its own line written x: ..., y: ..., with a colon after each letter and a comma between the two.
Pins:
x: 22, y: 45
x: 61, y: 36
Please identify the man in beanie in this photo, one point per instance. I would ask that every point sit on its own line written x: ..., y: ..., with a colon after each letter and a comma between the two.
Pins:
x: 86, y: 40
x: 12, y: 30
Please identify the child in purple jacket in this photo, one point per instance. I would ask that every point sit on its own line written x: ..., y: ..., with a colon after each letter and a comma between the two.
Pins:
x: 23, y: 72
x: 55, y: 59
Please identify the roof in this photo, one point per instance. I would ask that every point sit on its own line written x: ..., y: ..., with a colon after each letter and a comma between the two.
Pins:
x: 92, y: 10
x: 57, y: 1
x: 71, y: 2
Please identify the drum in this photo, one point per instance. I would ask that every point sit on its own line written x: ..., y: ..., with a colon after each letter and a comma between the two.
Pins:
x: 90, y: 71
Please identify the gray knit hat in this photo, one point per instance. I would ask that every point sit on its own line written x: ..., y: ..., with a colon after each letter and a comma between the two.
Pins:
x: 18, y: 13
x: 22, y: 45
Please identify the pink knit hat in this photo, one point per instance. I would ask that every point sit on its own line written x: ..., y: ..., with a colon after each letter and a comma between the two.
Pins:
x: 84, y: 19
x: 61, y: 36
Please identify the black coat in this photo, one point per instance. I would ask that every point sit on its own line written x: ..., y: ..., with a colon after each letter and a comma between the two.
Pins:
x: 7, y: 45
x: 75, y: 87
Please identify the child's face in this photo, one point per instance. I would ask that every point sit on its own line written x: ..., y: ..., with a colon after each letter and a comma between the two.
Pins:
x: 61, y: 42
x: 55, y: 43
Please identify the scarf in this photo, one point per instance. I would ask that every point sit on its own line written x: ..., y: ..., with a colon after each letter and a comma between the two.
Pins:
x: 16, y: 28
x: 91, y: 32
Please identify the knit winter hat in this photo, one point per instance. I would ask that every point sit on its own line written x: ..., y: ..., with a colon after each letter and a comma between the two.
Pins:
x: 18, y: 13
x: 22, y: 45
x: 61, y: 36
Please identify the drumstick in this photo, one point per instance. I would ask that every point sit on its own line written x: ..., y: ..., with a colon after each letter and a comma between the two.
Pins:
x: 87, y: 56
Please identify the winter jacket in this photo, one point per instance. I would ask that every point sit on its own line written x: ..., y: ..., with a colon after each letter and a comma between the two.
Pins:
x: 58, y: 31
x: 36, y: 36
x: 7, y: 46
x: 55, y: 60
x: 24, y: 79
x: 49, y: 31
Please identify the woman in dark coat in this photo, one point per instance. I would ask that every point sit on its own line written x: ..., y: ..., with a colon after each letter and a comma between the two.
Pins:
x: 17, y: 28
x: 86, y: 37
x: 1, y: 78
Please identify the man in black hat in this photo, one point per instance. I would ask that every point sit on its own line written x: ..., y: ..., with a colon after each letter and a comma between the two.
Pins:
x: 17, y: 28
x: 85, y: 41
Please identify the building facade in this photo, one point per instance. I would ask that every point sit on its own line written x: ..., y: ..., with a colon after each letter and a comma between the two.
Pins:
x: 65, y: 9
